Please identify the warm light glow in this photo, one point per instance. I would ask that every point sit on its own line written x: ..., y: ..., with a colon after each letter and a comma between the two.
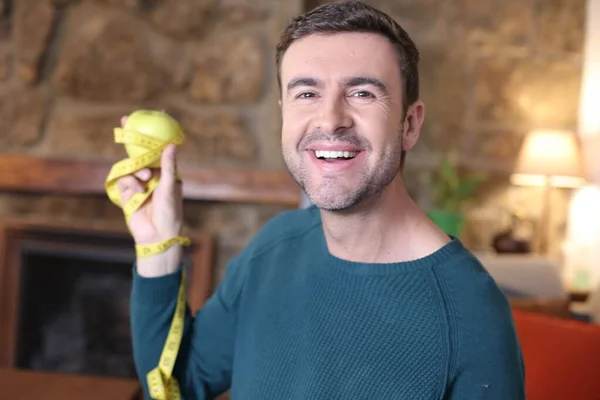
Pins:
x: 549, y: 156
x: 589, y: 113
x: 542, y: 180
x: 582, y: 240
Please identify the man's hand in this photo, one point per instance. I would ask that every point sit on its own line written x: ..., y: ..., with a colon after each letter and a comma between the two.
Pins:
x: 160, y: 217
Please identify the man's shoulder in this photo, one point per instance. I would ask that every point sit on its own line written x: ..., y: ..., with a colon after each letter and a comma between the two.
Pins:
x: 278, y: 235
x: 473, y: 295
x: 283, y: 228
x: 482, y: 328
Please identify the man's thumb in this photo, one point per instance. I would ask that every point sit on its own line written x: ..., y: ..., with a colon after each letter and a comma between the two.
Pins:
x: 168, y: 163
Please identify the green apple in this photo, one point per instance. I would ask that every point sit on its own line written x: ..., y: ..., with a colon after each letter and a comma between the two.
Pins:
x: 156, y: 124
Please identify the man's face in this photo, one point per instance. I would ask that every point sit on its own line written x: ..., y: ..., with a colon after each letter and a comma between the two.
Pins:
x: 342, y: 111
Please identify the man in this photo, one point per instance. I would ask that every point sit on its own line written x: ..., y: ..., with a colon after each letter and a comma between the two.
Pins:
x: 357, y: 297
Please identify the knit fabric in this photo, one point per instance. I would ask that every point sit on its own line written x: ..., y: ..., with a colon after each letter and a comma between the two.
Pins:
x: 291, y: 321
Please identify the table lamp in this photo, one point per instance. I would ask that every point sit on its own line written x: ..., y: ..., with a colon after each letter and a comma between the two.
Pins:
x: 548, y: 159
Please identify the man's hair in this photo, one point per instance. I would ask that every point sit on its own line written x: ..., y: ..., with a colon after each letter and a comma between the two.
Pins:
x: 354, y: 16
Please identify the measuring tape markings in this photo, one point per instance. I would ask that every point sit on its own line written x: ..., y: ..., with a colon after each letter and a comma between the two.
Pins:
x: 161, y: 384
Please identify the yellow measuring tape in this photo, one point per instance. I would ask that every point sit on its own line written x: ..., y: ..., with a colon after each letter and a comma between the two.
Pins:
x: 145, y: 135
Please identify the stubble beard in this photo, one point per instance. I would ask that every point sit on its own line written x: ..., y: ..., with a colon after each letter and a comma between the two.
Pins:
x: 332, y: 195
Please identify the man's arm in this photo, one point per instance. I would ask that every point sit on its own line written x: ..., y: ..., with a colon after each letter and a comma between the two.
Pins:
x: 205, y: 357
x: 488, y: 362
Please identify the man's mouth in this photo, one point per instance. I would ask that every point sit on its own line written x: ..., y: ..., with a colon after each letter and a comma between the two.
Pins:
x: 331, y: 155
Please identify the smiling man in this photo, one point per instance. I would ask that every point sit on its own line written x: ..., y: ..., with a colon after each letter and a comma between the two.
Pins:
x: 360, y: 296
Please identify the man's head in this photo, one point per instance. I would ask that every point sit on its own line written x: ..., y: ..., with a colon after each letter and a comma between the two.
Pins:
x: 350, y: 102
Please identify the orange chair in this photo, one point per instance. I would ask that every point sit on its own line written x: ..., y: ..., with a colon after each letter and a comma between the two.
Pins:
x: 562, y: 357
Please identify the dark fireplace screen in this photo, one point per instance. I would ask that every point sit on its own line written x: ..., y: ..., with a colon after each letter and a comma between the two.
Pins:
x: 73, y: 312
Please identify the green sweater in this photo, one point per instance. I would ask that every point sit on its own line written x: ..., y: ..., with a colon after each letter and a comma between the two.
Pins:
x: 290, y: 321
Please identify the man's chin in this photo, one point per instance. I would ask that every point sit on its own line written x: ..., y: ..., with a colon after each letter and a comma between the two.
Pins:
x: 333, y: 202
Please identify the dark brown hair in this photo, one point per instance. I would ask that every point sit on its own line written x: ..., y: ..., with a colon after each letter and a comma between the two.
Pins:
x: 354, y: 16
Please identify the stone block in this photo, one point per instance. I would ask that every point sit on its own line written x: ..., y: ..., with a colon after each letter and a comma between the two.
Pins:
x: 531, y: 91
x: 208, y: 137
x: 32, y: 26
x: 172, y: 59
x: 233, y: 223
x: 105, y: 57
x: 63, y: 3
x: 240, y: 11
x: 83, y: 135
x: 417, y: 181
x: 5, y: 20
x: 21, y: 119
x: 422, y: 19
x: 217, y: 136
x: 128, y: 4
x: 497, y: 147
x: 443, y: 80
x: 489, y: 22
x: 229, y: 67
x: 5, y: 62
x: 180, y: 18
x: 93, y: 210
x: 560, y: 25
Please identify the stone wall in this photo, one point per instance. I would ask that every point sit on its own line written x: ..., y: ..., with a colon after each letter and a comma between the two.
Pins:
x: 491, y: 70
x: 72, y: 68
x: 69, y: 69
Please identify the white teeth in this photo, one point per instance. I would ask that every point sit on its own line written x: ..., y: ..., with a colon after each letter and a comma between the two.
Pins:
x: 335, y: 154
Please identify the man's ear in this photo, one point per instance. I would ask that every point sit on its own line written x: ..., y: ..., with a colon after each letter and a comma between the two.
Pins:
x: 415, y: 115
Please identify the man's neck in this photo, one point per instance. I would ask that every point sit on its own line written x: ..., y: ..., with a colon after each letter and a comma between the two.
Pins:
x: 386, y: 229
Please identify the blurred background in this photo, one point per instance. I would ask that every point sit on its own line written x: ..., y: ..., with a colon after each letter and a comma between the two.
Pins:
x: 507, y: 162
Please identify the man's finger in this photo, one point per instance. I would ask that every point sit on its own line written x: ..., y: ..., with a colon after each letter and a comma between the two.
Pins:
x: 128, y: 186
x: 168, y: 167
x: 123, y: 120
x: 143, y: 174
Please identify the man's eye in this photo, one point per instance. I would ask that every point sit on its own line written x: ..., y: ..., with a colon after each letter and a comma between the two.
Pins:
x: 305, y: 95
x: 363, y: 94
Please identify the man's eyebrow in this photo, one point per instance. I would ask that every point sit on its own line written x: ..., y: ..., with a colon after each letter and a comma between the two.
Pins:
x: 303, y: 81
x: 366, y: 80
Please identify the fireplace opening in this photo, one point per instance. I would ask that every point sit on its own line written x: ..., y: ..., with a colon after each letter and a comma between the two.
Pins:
x: 73, y: 312
x: 64, y: 295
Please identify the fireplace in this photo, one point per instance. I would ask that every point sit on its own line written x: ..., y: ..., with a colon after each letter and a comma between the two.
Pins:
x: 73, y: 311
x: 64, y: 296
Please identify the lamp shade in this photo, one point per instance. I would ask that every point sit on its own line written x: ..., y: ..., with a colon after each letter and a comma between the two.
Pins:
x: 549, y: 155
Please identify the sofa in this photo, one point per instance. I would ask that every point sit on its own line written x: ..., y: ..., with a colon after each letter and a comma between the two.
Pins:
x: 562, y: 357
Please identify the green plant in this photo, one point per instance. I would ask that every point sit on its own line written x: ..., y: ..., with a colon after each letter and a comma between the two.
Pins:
x: 451, y: 190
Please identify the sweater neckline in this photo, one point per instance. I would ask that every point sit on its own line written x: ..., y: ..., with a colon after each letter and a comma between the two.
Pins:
x: 452, y: 248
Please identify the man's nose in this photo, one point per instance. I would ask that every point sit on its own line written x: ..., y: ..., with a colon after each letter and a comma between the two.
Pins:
x: 333, y: 115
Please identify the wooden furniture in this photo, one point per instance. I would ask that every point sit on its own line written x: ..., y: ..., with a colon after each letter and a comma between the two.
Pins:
x: 18, y: 384
x: 579, y: 297
x: 556, y: 307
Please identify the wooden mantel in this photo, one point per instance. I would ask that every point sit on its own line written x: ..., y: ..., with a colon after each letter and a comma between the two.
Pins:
x: 27, y: 173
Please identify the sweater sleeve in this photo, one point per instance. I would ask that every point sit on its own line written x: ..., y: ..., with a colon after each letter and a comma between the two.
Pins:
x: 204, y: 361
x: 488, y: 359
